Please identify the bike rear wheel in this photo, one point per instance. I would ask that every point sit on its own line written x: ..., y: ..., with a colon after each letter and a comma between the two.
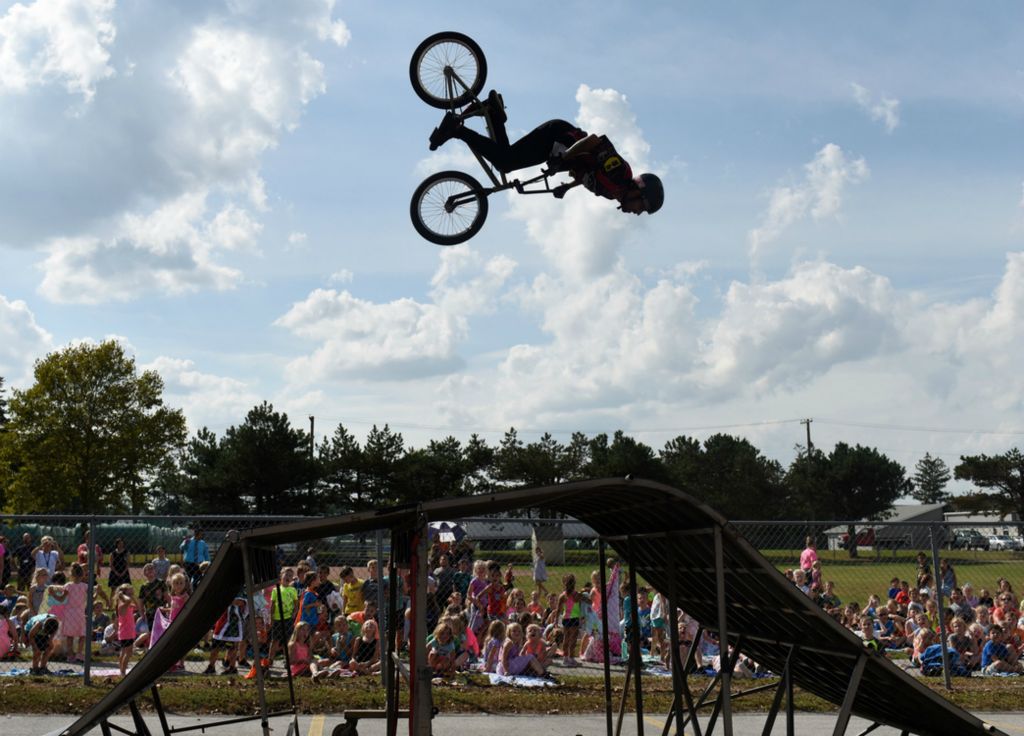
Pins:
x: 448, y: 50
x: 445, y: 224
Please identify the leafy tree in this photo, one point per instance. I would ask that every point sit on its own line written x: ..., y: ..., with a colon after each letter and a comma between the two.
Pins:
x: 266, y: 462
x: 3, y: 405
x: 90, y: 434
x: 851, y: 483
x: 621, y: 457
x: 930, y: 479
x: 1003, y: 475
x: 728, y: 473
x: 438, y: 471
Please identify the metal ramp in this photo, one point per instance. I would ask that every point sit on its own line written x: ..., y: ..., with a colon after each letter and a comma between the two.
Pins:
x: 681, y: 546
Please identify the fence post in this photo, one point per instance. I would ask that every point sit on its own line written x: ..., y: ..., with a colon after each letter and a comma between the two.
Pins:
x: 383, y: 614
x: 90, y: 598
x: 938, y: 600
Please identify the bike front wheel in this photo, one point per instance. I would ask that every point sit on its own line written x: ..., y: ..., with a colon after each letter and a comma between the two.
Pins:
x: 448, y: 208
x: 448, y: 70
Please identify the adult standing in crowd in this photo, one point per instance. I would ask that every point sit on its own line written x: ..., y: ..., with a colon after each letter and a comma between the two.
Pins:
x: 120, y: 570
x: 25, y: 560
x: 48, y: 556
x: 194, y: 552
x: 83, y: 554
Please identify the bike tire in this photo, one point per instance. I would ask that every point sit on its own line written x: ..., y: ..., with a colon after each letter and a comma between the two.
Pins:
x: 427, y: 208
x: 448, y: 48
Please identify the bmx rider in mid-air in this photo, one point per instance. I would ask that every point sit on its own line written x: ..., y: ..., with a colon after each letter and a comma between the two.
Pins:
x: 590, y: 159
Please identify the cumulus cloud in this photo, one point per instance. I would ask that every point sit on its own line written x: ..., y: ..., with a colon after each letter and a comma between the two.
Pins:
x: 62, y: 42
x: 582, y: 235
x: 205, y: 398
x: 170, y: 250
x: 297, y: 239
x: 401, y: 339
x: 218, y: 86
x: 22, y: 341
x: 818, y: 195
x: 885, y: 110
x: 782, y: 333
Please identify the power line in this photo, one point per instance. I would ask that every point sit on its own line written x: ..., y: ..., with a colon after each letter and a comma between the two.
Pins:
x: 914, y: 428
x: 529, y: 430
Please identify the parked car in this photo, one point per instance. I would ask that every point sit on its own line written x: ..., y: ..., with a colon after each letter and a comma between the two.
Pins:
x: 969, y: 539
x: 1003, y: 541
x: 865, y: 538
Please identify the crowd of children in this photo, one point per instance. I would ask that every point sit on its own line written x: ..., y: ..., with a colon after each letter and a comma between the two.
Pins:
x: 984, y: 631
x: 479, y: 617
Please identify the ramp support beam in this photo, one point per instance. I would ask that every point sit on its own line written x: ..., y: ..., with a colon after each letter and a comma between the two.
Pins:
x: 782, y: 690
x: 254, y: 640
x: 602, y: 566
x: 635, y: 657
x: 723, y: 634
x: 851, y: 695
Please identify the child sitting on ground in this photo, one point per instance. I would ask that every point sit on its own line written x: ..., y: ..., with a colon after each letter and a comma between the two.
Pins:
x: 365, y: 655
x: 492, y: 647
x: 514, y: 661
x: 442, y: 653
x: 340, y: 652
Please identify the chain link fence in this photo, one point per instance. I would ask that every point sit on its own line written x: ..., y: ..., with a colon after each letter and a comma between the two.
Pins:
x: 46, y: 573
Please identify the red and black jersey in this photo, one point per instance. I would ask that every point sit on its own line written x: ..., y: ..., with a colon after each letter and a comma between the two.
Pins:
x: 608, y: 175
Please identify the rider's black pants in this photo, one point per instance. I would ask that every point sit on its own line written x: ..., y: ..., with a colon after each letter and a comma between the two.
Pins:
x: 532, y: 149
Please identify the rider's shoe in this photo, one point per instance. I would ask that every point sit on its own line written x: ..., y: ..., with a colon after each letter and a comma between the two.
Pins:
x: 497, y: 106
x: 494, y: 103
x: 445, y: 131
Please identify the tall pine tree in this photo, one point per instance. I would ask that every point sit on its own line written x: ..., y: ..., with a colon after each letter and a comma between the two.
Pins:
x: 930, y: 480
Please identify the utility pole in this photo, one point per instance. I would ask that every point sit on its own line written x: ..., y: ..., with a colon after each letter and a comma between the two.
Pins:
x: 805, y: 422
x: 312, y: 446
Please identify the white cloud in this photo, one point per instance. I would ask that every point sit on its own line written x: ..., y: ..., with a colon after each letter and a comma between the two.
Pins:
x: 885, y: 110
x: 205, y: 398
x: 819, y: 194
x: 64, y: 42
x: 218, y: 86
x: 401, y: 339
x: 342, y: 276
x: 297, y: 239
x: 22, y: 341
x: 171, y: 250
x: 582, y: 235
x: 779, y: 334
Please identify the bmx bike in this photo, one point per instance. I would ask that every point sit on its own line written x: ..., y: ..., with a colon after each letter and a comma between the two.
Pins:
x: 448, y: 71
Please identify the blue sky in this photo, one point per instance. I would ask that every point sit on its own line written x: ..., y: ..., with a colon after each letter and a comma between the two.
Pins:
x: 224, y: 186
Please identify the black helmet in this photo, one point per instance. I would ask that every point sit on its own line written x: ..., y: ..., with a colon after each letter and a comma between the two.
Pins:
x: 652, y: 190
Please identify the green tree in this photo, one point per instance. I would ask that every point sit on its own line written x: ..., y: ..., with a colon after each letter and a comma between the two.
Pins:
x: 1002, y: 475
x: 727, y: 473
x: 478, y: 457
x: 930, y: 479
x: 851, y: 483
x: 382, y: 453
x: 3, y: 404
x: 621, y: 457
x: 341, y: 468
x: 90, y: 434
x: 267, y: 462
x: 437, y: 471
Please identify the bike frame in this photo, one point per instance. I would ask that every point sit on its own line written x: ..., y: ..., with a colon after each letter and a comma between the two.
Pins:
x: 498, y: 178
